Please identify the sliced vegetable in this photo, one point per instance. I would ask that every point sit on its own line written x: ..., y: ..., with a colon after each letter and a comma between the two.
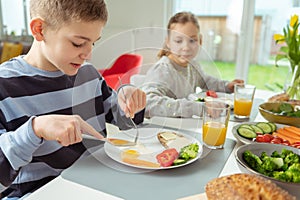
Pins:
x: 211, y: 93
x: 246, y: 132
x: 264, y: 138
x: 179, y: 161
x: 167, y: 157
x: 273, y: 126
x: 256, y: 129
x: 246, y: 126
x: 265, y: 126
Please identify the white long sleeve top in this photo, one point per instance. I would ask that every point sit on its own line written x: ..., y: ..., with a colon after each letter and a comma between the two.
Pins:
x: 168, y: 86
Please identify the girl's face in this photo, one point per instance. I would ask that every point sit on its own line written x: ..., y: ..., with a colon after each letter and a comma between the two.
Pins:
x: 183, y: 42
x: 68, y: 48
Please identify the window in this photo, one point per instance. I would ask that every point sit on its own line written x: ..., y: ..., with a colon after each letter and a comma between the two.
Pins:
x: 14, y: 16
x: 225, y: 24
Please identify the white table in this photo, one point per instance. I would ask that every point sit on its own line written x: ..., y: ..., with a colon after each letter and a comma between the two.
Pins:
x: 61, y: 188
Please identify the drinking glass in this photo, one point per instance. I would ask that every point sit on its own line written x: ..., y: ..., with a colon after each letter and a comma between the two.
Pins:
x: 215, y: 122
x: 243, y: 100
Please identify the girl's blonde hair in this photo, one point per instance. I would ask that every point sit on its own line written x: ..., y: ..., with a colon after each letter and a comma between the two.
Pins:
x: 57, y: 13
x: 181, y: 18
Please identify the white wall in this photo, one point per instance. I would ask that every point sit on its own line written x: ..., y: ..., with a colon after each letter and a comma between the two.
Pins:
x: 134, y: 26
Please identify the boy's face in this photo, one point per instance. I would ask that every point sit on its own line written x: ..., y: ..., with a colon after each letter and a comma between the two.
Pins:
x: 68, y: 48
x: 183, y: 42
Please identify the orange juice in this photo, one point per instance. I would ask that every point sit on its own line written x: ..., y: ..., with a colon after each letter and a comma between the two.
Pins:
x: 214, y: 133
x: 242, y: 107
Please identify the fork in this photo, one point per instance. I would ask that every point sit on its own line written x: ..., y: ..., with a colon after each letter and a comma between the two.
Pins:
x: 133, y: 123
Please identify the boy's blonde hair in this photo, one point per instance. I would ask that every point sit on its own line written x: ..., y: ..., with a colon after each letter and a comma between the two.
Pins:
x: 57, y: 13
x: 178, y: 18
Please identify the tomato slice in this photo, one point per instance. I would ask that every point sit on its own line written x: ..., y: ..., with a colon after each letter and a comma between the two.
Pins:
x: 264, y: 138
x: 211, y: 93
x: 167, y: 157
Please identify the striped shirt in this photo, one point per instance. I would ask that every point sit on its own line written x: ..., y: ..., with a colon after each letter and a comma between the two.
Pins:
x: 26, y: 161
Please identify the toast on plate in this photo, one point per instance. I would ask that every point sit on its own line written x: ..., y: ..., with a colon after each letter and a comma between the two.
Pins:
x: 171, y: 139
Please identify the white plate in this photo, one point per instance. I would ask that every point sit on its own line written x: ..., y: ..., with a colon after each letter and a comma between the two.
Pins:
x: 245, y: 140
x: 226, y: 97
x: 148, y: 146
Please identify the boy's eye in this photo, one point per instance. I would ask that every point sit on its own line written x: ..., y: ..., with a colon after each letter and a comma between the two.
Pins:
x: 76, y: 45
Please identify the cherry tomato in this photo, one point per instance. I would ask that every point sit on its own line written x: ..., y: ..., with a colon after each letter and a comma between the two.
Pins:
x: 211, y: 93
x: 264, y: 138
x: 286, y: 142
x: 167, y: 157
x: 276, y: 140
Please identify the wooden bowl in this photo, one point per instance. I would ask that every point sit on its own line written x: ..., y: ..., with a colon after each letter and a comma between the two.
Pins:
x: 265, y: 110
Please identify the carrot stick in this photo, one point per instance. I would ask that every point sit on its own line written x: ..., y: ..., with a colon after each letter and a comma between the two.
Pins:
x: 287, y: 136
x: 293, y: 129
x: 290, y: 133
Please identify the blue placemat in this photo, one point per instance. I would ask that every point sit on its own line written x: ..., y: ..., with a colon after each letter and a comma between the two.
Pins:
x: 165, y: 184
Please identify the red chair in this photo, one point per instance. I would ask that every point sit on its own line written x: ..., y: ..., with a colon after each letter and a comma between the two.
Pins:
x: 124, y: 67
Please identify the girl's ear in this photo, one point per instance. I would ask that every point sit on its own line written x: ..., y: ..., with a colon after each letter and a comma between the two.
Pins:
x: 37, y: 28
x: 167, y: 42
x: 200, y: 39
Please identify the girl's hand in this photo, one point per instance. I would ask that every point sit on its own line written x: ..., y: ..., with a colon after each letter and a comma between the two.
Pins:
x: 66, y: 129
x: 133, y: 101
x: 231, y: 84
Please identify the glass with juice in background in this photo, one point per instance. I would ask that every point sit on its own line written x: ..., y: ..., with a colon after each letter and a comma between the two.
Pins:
x: 215, y: 121
x: 243, y: 100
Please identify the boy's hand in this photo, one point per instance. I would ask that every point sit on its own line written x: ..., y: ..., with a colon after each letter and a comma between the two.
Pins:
x: 66, y: 129
x: 134, y: 100
x: 231, y: 84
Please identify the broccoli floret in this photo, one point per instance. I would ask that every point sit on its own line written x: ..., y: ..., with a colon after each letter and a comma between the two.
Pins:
x: 281, y: 175
x: 271, y: 164
x: 294, y: 172
x: 275, y: 154
x: 189, y: 152
x: 264, y: 156
x: 291, y: 159
x: 252, y: 160
x: 285, y: 152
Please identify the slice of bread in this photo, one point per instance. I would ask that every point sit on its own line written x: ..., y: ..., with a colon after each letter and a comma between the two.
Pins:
x: 173, y: 140
x: 244, y: 187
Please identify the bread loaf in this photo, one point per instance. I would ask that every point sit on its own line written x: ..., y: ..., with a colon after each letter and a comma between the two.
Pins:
x: 244, y: 187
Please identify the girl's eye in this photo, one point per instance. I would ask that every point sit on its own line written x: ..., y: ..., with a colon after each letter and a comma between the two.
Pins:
x: 192, y: 41
x: 76, y: 45
x: 178, y: 41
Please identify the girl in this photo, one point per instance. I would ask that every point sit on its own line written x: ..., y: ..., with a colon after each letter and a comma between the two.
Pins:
x: 176, y: 75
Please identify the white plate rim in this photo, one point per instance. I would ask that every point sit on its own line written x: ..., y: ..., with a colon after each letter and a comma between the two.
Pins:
x: 117, y: 156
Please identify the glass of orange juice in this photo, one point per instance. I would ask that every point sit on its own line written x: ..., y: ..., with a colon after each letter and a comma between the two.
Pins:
x: 243, y: 100
x: 215, y: 121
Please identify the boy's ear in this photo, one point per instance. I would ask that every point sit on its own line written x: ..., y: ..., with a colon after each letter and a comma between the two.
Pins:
x: 37, y: 27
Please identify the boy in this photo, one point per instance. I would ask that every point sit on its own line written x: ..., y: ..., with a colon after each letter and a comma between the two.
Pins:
x: 49, y: 97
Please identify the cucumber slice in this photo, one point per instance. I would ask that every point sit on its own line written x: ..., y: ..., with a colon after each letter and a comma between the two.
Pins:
x: 246, y: 132
x: 274, y: 127
x: 246, y: 126
x: 265, y: 126
x: 256, y: 129
x: 179, y: 161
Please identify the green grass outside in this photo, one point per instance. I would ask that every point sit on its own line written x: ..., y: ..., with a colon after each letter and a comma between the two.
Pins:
x: 263, y: 77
